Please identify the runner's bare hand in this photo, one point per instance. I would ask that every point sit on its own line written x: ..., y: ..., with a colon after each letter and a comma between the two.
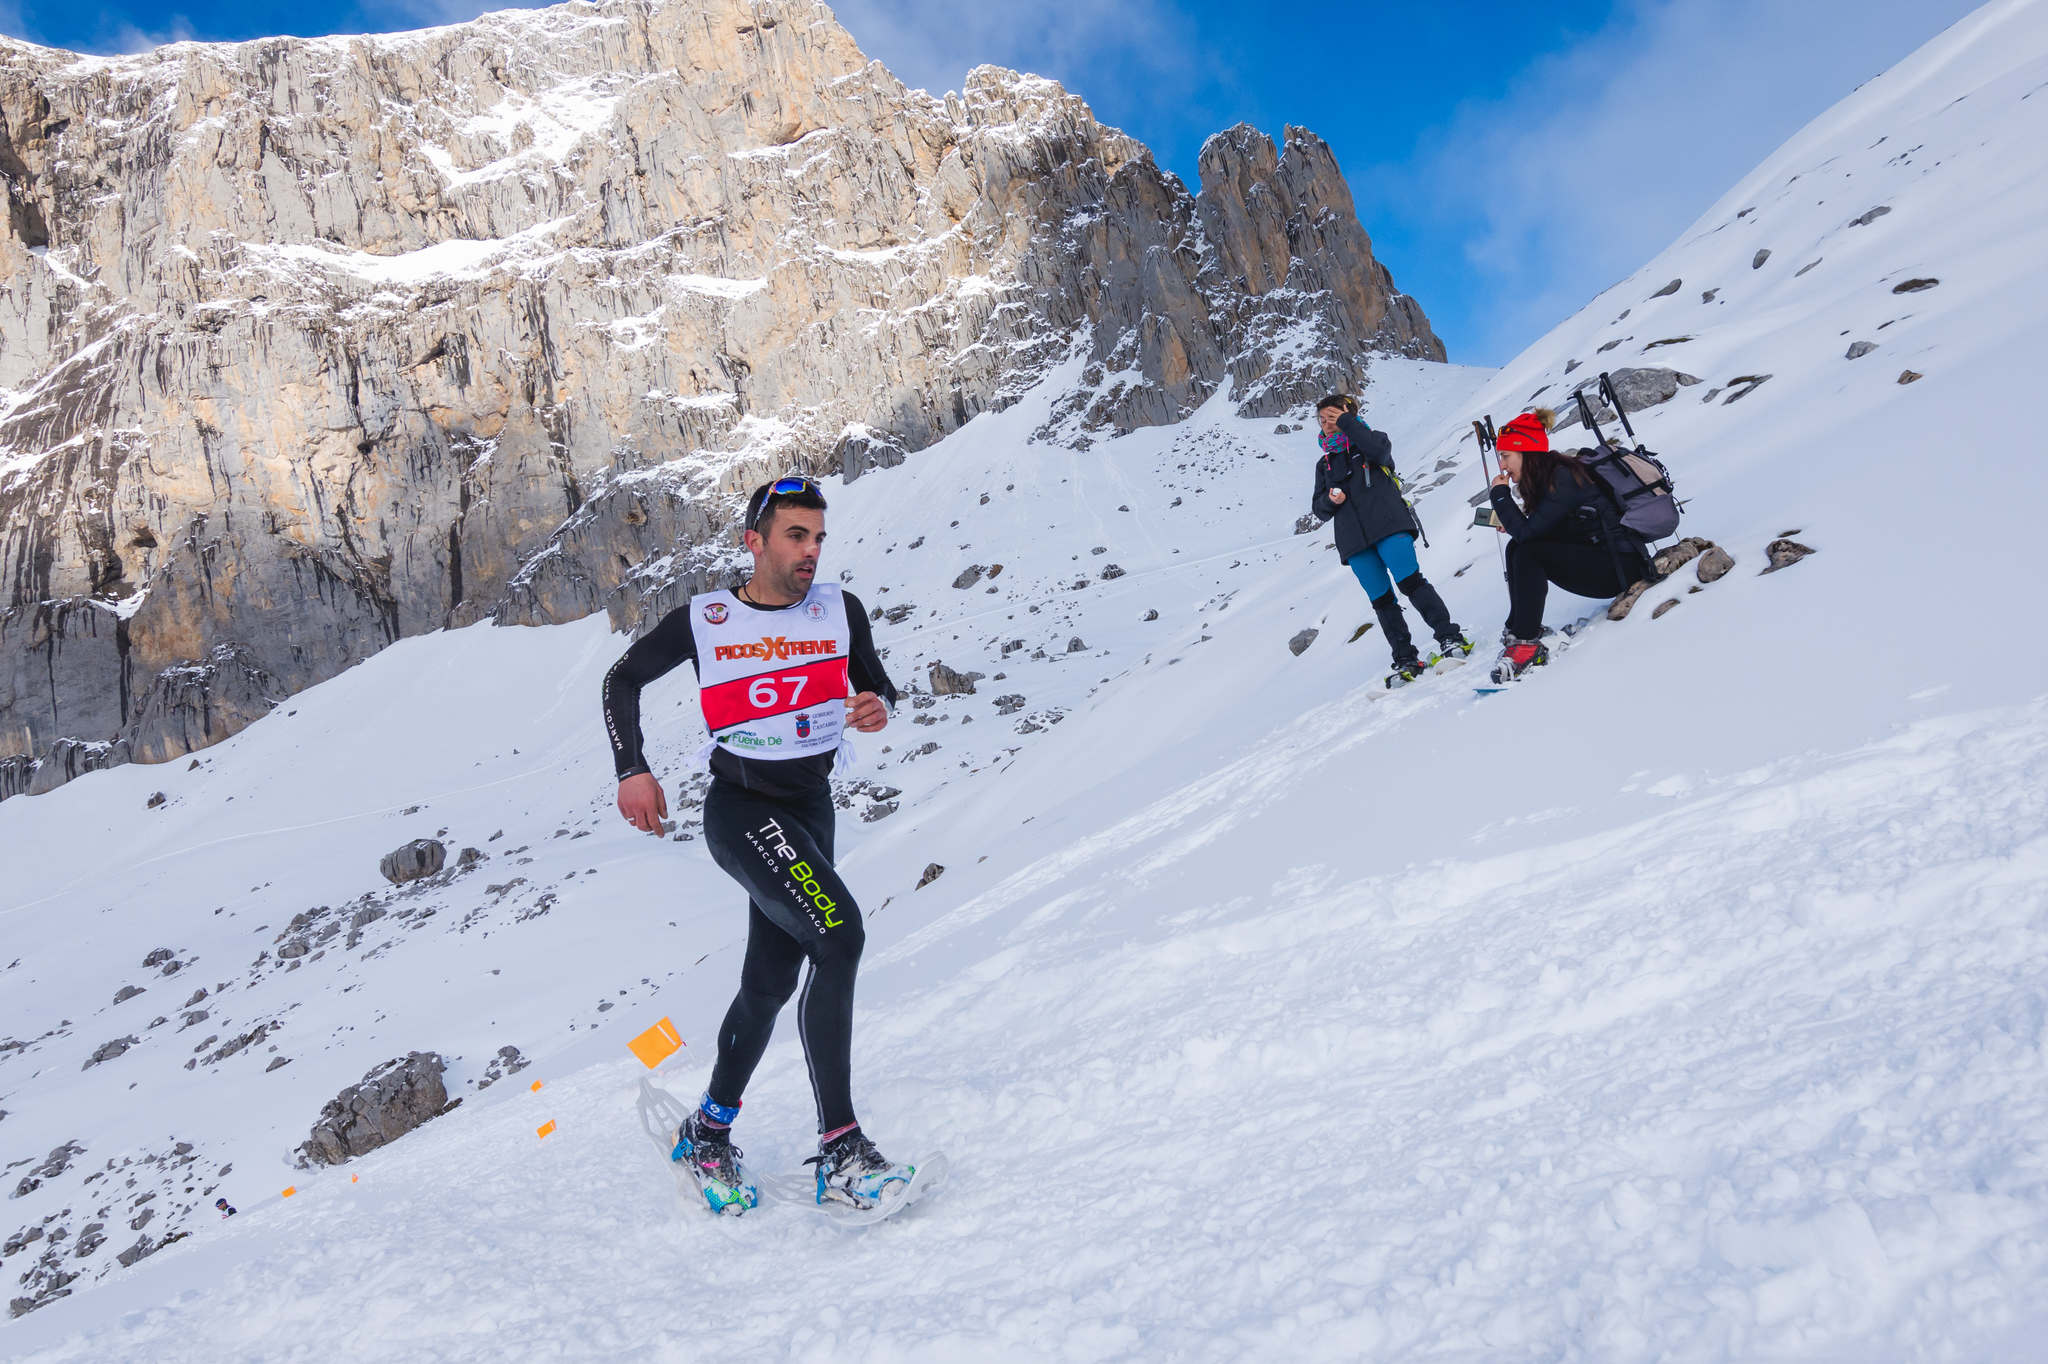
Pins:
x: 866, y: 712
x: 643, y: 803
x: 1336, y: 497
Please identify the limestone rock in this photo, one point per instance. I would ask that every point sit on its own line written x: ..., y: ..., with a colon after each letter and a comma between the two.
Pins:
x: 1859, y: 349
x: 932, y: 872
x: 1671, y: 558
x: 1302, y: 639
x: 309, y: 345
x: 1784, y: 552
x: 1664, y: 606
x: 421, y: 857
x: 1626, y: 602
x: 389, y: 1101
x: 947, y: 682
x: 107, y: 1051
x: 1637, y: 389
x: 1756, y: 262
x: 862, y: 448
x: 1714, y: 565
x: 508, y: 1061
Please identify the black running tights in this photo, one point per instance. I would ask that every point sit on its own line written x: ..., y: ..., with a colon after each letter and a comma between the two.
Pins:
x: 780, y: 850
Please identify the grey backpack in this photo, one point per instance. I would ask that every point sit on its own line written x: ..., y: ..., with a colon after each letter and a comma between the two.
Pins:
x: 1636, y: 483
x: 1638, y: 488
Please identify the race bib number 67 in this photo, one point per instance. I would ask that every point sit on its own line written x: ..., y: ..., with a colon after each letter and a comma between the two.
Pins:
x: 776, y: 693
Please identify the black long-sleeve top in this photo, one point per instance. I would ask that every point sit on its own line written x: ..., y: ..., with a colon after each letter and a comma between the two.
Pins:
x: 670, y: 643
x: 1572, y: 510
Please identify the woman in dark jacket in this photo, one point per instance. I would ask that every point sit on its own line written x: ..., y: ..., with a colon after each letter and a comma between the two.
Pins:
x: 1564, y: 532
x: 1356, y: 490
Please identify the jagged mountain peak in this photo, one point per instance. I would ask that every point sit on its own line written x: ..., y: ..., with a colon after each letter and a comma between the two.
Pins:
x: 319, y: 343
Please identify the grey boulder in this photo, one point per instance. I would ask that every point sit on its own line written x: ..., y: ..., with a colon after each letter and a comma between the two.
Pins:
x: 389, y: 1101
x: 421, y: 857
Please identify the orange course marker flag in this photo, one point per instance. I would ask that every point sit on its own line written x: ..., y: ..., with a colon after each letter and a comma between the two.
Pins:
x: 545, y: 1128
x: 534, y: 1087
x: 657, y: 1044
x: 289, y: 1191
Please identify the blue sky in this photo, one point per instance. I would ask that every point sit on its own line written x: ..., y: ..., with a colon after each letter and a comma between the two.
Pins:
x: 1509, y: 160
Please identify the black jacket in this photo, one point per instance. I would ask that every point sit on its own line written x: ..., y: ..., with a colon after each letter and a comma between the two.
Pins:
x: 1373, y: 508
x: 1572, y: 513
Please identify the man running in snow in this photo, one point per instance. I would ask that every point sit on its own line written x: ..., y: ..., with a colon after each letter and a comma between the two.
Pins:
x: 784, y: 665
x: 1356, y: 489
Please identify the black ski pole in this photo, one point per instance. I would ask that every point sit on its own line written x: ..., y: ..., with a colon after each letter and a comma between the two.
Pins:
x: 1613, y: 400
x: 1488, y: 444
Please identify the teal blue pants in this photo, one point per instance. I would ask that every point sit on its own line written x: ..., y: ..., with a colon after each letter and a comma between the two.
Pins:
x: 1390, y: 561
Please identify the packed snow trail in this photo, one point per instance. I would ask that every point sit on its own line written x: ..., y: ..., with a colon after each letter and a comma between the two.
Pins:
x: 1535, y: 1103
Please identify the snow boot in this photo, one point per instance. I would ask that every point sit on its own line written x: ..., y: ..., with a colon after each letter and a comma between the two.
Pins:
x: 1517, y: 658
x: 1395, y: 626
x: 1431, y: 608
x: 852, y: 1171
x: 714, y: 1165
x: 1454, y: 645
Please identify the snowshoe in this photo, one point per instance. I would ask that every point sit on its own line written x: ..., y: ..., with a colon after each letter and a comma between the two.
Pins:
x: 707, y: 1154
x: 1404, y: 673
x: 853, y: 1172
x: 1455, y: 646
x: 1517, y: 658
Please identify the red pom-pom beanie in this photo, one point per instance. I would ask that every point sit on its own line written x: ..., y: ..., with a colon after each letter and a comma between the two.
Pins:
x: 1523, y: 433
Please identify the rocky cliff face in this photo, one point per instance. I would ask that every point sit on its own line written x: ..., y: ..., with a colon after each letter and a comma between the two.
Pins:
x: 306, y: 345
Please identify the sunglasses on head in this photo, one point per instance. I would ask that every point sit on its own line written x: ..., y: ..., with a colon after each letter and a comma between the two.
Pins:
x: 787, y: 485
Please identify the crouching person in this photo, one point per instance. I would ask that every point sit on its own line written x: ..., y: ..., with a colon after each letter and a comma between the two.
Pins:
x: 1563, y: 532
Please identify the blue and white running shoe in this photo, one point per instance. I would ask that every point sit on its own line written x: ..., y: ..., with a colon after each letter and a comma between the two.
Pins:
x: 713, y: 1163
x: 852, y: 1171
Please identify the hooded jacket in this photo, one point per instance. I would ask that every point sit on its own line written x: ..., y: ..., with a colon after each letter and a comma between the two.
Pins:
x: 1363, y: 468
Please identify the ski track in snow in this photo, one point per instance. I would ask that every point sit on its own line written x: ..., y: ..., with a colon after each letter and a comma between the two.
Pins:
x: 1685, y: 1002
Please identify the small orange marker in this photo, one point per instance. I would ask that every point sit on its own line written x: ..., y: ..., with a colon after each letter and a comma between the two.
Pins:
x: 353, y: 1178
x: 545, y: 1128
x: 289, y: 1192
x: 534, y: 1087
x: 657, y: 1044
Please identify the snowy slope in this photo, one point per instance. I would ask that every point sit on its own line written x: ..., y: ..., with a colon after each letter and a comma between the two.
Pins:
x: 1686, y: 1003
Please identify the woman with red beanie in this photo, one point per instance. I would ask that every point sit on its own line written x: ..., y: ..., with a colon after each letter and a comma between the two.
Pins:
x: 1564, y: 532
x: 1356, y: 489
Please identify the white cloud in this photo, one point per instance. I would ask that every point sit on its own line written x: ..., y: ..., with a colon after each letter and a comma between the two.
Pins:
x: 1599, y: 156
x: 127, y: 38
x: 932, y: 44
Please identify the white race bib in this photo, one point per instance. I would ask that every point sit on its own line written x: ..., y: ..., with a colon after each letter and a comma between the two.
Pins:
x: 773, y: 684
